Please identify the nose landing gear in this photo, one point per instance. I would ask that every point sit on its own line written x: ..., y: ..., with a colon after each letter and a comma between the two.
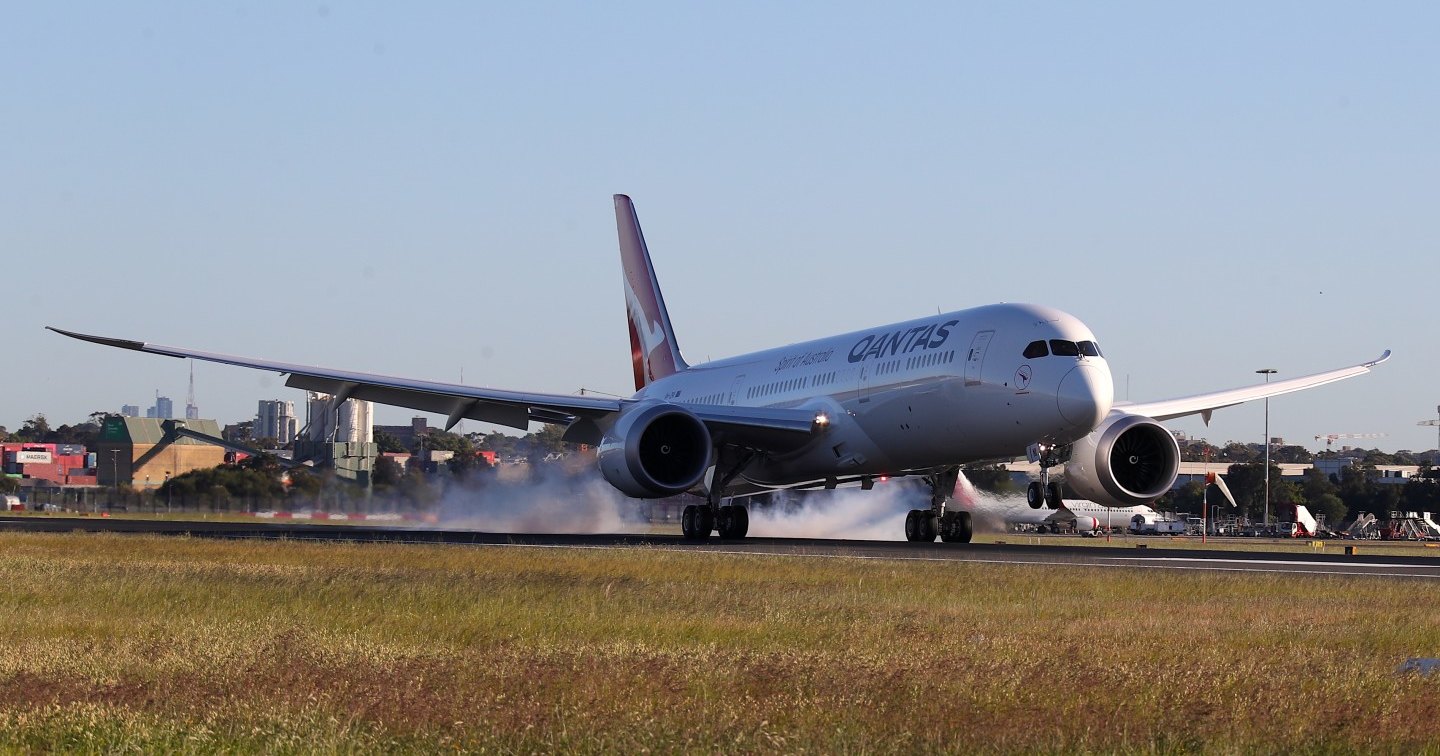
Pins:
x: 1045, y: 492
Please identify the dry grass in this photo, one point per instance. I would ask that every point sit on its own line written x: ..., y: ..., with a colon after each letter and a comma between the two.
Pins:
x: 169, y: 644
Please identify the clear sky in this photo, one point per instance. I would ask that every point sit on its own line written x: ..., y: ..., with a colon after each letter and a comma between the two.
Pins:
x: 424, y: 188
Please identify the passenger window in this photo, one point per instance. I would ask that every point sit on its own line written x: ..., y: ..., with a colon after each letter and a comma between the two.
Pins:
x: 1061, y: 348
x: 1035, y: 349
x: 1090, y: 349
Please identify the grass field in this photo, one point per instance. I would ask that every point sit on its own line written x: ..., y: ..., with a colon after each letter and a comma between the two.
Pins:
x: 126, y: 643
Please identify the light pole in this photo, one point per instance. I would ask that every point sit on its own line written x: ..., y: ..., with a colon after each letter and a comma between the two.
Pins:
x: 115, y: 473
x: 1267, y: 372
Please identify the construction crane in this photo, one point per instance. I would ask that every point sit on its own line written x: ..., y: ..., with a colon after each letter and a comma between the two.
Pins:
x: 1432, y: 422
x: 1330, y: 437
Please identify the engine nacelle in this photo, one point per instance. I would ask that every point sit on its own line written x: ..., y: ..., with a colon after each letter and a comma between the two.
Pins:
x: 655, y: 450
x: 1128, y: 460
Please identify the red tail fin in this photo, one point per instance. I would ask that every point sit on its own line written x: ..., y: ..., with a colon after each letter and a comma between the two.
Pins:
x: 653, y: 350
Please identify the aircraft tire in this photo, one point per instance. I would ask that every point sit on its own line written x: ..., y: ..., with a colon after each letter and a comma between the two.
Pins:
x: 1054, y: 495
x: 955, y: 528
x: 734, y: 522
x: 1034, y: 495
x: 696, y: 522
x: 920, y: 526
x: 924, y: 528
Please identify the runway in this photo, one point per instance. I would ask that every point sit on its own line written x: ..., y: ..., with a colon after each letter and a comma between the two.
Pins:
x: 1150, y: 558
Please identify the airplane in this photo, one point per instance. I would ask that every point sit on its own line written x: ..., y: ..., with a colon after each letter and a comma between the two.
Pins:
x: 917, y: 398
x: 1088, y: 517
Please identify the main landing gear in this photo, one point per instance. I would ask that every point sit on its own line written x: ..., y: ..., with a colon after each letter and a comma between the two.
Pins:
x: 730, y: 521
x: 952, y: 526
x: 1045, y: 492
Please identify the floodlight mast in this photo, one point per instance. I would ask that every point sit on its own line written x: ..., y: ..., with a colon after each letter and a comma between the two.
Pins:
x: 1435, y: 423
x: 1267, y: 372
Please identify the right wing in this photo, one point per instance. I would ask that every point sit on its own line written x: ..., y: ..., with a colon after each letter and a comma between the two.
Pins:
x: 1204, y: 404
x: 766, y: 428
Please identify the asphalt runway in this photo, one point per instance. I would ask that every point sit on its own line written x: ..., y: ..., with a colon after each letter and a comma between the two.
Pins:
x: 1150, y: 558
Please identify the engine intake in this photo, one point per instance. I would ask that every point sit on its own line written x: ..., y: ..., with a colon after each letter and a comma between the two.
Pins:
x: 1128, y: 460
x: 655, y: 450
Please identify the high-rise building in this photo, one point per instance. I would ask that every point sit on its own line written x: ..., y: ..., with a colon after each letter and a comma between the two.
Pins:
x: 129, y: 410
x: 276, y: 419
x: 164, y: 409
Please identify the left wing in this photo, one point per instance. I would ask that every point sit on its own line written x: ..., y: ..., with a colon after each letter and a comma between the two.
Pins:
x: 1204, y: 404
x: 767, y: 428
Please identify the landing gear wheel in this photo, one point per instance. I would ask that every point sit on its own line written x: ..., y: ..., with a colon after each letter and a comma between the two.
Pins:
x: 955, y: 527
x: 733, y: 523
x: 696, y: 522
x: 1053, y: 492
x: 1035, y: 495
x: 920, y: 525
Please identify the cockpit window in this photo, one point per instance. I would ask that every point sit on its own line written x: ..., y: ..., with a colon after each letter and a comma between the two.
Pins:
x: 1090, y: 349
x: 1061, y: 348
x: 1035, y: 349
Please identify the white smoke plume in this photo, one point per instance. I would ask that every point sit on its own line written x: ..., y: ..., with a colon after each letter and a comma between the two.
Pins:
x: 555, y: 500
x: 848, y: 513
x: 550, y: 501
x: 877, y: 514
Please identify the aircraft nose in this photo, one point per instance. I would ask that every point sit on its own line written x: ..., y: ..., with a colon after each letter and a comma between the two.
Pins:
x: 1085, y: 395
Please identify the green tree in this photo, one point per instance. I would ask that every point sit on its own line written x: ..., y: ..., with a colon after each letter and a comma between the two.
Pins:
x: 1421, y: 494
x: 1185, y: 498
x: 1291, y: 455
x: 504, y: 445
x: 8, y: 485
x: 389, y: 444
x: 1332, y: 507
x: 304, y: 482
x: 34, y: 429
x: 439, y: 440
x: 1247, y: 484
x: 387, y: 473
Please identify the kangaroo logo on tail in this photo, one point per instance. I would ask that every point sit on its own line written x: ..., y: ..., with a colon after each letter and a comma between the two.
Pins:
x: 653, y: 351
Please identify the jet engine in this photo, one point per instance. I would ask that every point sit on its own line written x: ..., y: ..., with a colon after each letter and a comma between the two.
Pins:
x: 655, y: 450
x: 1127, y: 460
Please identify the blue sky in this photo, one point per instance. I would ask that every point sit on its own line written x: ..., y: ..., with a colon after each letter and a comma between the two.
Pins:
x: 422, y: 189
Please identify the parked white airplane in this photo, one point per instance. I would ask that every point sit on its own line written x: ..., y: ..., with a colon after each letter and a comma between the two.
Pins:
x: 1088, y: 516
x: 915, y: 398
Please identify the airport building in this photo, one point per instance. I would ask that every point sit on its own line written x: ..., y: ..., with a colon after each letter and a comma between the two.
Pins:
x: 406, y: 434
x: 143, y: 452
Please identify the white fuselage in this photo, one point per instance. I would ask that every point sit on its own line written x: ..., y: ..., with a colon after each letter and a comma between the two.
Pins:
x: 916, y: 396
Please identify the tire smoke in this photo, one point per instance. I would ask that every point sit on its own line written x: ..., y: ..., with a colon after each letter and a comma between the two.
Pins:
x: 550, y: 501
